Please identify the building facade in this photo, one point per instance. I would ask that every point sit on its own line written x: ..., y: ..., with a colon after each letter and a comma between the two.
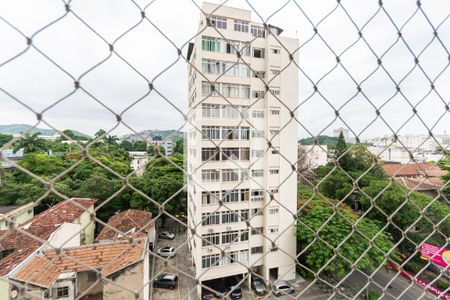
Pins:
x: 241, y: 147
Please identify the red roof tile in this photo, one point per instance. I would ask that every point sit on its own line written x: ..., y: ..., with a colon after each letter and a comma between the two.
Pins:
x: 45, y: 269
x: 421, y: 184
x: 132, y: 222
x: 413, y: 169
x: 35, y: 232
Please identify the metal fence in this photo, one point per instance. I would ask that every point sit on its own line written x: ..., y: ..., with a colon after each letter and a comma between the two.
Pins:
x: 347, y: 249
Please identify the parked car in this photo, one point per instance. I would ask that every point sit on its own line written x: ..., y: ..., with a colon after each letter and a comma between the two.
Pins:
x: 207, y: 294
x: 218, y: 287
x: 167, y: 281
x: 281, y: 287
x: 166, y: 235
x: 167, y: 251
x: 258, y: 286
x: 232, y: 283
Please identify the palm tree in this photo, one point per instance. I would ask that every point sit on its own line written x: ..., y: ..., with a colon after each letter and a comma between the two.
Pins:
x: 30, y: 143
x: 111, y: 139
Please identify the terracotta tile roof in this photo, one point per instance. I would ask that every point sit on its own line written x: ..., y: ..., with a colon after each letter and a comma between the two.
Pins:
x: 421, y: 184
x: 413, y: 169
x: 45, y: 269
x: 134, y: 222
x: 63, y: 212
x: 40, y: 226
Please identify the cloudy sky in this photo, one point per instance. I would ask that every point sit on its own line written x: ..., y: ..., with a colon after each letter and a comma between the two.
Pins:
x: 69, y: 50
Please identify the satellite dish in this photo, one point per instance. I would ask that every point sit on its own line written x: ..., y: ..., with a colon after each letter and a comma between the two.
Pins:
x: 14, y: 294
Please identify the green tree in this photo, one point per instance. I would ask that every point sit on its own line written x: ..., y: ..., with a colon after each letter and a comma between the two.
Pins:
x: 40, y: 164
x: 30, y: 143
x: 140, y: 146
x: 127, y: 145
x: 69, y: 133
x: 342, y: 154
x: 342, y: 234
x: 5, y: 138
x: 179, y: 147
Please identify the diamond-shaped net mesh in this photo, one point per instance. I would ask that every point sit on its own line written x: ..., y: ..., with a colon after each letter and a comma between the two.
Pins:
x: 368, y: 101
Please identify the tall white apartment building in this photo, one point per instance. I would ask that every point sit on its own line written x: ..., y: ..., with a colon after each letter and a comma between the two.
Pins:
x: 242, y: 201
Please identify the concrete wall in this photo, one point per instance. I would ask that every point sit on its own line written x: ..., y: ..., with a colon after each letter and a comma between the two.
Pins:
x: 86, y: 282
x: 130, y: 278
x: 87, y: 225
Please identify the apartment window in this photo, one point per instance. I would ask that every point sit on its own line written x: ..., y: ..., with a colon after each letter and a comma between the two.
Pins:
x: 258, y: 113
x: 245, y: 154
x: 244, y: 70
x: 244, y: 175
x: 240, y: 25
x: 245, y: 133
x: 231, y: 196
x: 258, y: 94
x: 273, y: 210
x: 230, y: 236
x: 243, y: 255
x: 230, y: 175
x: 275, y: 71
x: 274, y: 171
x: 275, y: 111
x: 230, y: 153
x: 257, y: 31
x: 230, y: 216
x: 219, y: 22
x: 210, y: 197
x: 210, y: 260
x: 258, y: 52
x: 257, y: 193
x: 244, y: 214
x: 211, y: 132
x: 210, y: 154
x: 273, y: 190
x: 245, y: 91
x: 62, y: 292
x: 258, y: 173
x: 210, y: 110
x: 257, y: 212
x: 244, y: 235
x: 256, y: 231
x: 210, y: 239
x: 210, y: 44
x: 230, y: 133
x: 230, y: 112
x: 210, y: 176
x: 257, y: 153
x: 234, y: 90
x: 274, y: 131
x: 256, y: 250
x: 245, y: 194
x: 275, y: 50
x: 210, y: 66
x: 259, y: 74
x: 211, y: 218
x: 273, y: 229
x: 275, y: 91
x: 257, y: 133
x: 209, y: 89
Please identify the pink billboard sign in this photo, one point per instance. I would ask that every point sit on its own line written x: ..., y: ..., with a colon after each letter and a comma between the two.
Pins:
x: 441, y: 255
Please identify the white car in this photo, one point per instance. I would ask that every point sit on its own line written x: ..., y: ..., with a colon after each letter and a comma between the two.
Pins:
x: 167, y: 235
x: 167, y: 251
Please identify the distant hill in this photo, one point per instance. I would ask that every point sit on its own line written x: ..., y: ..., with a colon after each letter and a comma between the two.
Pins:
x: 19, y: 128
x: 330, y: 141
x: 150, y: 133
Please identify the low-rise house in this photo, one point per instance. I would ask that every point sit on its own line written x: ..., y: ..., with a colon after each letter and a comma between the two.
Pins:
x: 68, y: 223
x: 12, y: 156
x: 140, y: 160
x: 130, y: 223
x: 17, y: 214
x: 421, y: 177
x: 115, y: 270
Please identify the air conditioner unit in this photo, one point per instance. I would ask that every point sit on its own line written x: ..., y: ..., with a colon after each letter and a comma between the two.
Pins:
x: 210, y: 249
x: 210, y: 230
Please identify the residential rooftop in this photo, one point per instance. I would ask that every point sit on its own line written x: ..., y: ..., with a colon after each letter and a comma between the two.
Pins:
x: 131, y: 222
x: 45, y: 269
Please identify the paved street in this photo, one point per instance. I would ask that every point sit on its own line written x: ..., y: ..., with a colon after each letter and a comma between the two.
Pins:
x: 382, y: 277
x: 177, y: 265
